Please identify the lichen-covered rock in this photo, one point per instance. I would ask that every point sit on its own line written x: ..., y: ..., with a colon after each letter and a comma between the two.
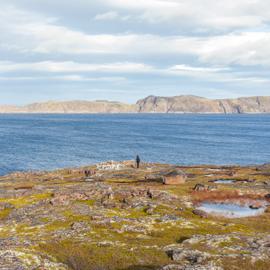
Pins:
x: 27, y: 260
x: 182, y: 254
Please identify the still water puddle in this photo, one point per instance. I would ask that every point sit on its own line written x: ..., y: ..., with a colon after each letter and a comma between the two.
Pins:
x: 224, y: 181
x: 231, y: 210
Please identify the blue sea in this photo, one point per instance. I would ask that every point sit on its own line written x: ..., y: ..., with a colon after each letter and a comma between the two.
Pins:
x: 47, y: 142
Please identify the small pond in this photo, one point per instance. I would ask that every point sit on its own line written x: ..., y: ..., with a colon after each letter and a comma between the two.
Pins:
x: 231, y: 210
x: 224, y: 181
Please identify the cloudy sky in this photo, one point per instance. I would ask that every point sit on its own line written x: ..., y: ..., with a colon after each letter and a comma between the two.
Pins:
x: 127, y: 49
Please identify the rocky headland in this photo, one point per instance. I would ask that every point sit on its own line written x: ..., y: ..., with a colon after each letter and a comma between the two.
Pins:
x: 151, y: 104
x: 112, y: 216
x: 193, y: 104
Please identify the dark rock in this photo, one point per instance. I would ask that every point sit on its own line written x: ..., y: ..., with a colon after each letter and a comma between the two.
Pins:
x: 199, y: 187
x: 200, y: 213
x: 254, y: 207
x: 149, y: 194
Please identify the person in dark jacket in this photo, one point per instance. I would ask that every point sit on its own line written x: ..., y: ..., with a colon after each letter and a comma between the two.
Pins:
x: 138, y: 161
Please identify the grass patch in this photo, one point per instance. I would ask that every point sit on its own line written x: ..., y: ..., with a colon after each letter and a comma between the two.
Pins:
x: 88, y: 257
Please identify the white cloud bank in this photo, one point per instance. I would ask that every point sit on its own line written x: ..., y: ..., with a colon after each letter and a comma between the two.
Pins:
x: 42, y: 35
x: 69, y: 72
x: 211, y: 41
x: 200, y: 14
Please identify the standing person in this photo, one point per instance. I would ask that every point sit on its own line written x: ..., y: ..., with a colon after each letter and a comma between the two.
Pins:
x: 138, y: 161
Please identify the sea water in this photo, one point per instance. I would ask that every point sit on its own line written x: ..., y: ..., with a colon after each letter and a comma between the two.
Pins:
x: 50, y: 141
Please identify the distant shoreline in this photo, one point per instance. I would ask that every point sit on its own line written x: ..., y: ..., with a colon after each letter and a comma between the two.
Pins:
x: 151, y: 105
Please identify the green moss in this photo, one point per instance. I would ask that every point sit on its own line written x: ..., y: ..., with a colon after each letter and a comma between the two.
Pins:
x: 25, y: 230
x: 23, y: 201
x: 128, y: 213
x: 57, y: 225
x: 4, y: 213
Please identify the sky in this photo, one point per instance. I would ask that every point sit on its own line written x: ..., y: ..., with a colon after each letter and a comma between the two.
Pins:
x: 128, y: 49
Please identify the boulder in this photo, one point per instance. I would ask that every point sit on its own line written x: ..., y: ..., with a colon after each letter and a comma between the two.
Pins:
x: 182, y: 254
x: 200, y: 213
x: 199, y: 187
x: 175, y: 177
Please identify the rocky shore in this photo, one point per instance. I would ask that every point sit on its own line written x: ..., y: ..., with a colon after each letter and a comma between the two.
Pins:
x: 112, y: 216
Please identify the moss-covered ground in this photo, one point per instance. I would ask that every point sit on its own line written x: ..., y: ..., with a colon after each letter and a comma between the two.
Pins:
x: 124, y: 219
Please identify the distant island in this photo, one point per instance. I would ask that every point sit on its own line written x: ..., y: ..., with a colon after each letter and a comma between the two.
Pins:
x: 151, y: 104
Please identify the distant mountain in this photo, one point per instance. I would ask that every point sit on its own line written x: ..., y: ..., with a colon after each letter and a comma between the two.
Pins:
x: 151, y: 104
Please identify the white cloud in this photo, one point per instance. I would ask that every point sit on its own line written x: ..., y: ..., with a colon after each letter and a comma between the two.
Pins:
x: 177, y: 68
x: 67, y: 72
x: 69, y: 66
x: 209, y: 14
x: 33, y: 34
x: 71, y: 78
x: 249, y: 48
x: 111, y: 15
x: 231, y: 49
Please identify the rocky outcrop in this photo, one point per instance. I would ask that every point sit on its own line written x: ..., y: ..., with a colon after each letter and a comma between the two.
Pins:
x: 151, y: 104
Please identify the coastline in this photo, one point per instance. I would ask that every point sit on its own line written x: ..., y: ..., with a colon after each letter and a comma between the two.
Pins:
x: 150, y: 104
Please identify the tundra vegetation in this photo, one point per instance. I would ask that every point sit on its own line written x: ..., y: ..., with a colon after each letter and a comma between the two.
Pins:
x: 122, y: 218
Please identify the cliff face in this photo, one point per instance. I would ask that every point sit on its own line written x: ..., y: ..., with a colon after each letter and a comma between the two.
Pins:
x: 247, y: 105
x: 180, y: 104
x: 151, y: 104
x: 193, y: 104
